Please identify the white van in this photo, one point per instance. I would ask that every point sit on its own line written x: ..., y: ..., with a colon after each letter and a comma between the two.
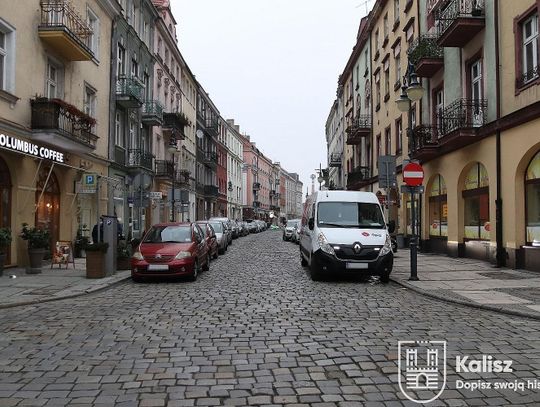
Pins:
x: 345, y: 231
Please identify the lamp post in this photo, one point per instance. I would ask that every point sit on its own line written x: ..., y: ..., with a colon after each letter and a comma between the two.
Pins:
x: 172, y: 148
x: 411, y: 91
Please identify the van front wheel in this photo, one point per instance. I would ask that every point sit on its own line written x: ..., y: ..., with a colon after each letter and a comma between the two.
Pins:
x: 315, y: 271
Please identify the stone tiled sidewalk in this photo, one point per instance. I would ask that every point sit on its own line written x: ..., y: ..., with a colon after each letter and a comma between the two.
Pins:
x: 472, y: 282
x: 19, y: 288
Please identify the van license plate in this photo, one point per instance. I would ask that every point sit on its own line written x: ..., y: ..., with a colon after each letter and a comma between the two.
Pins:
x: 158, y: 267
x: 357, y: 266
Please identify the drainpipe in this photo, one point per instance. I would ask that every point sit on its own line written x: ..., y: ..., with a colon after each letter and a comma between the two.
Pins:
x: 500, y: 251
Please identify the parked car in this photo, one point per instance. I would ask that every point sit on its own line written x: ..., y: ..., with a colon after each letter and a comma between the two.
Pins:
x: 221, y: 236
x: 244, y: 231
x: 211, y: 239
x: 228, y: 225
x: 253, y: 227
x: 345, y: 231
x: 235, y: 229
x: 288, y: 230
x: 171, y: 250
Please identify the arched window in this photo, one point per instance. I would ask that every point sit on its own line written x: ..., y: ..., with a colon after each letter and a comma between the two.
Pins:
x: 532, y: 199
x: 476, y: 203
x: 438, y: 208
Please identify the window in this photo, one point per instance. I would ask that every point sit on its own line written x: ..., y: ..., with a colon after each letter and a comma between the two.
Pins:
x: 386, y: 79
x: 159, y: 44
x: 532, y: 200
x: 396, y: 10
x: 134, y: 67
x: 377, y: 39
x: 378, y: 88
x: 385, y: 26
x: 530, y: 49
x: 7, y: 57
x: 438, y: 208
x: 476, y: 93
x: 438, y: 109
x: 53, y: 80
x: 476, y: 203
x: 388, y: 141
x: 121, y: 60
x: 93, y: 22
x: 378, y: 151
x: 399, y: 136
x: 89, y: 101
x: 146, y: 33
x: 132, y: 134
x: 119, y: 129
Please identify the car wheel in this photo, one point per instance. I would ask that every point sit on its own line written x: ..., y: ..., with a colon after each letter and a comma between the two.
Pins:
x: 303, y: 261
x: 216, y: 253
x: 195, y: 274
x: 394, y: 246
x: 314, y: 271
x: 284, y: 238
x: 385, y: 275
x: 206, y: 266
x: 221, y: 251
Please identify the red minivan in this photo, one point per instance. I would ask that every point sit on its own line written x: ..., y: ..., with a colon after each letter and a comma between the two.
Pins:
x: 171, y: 250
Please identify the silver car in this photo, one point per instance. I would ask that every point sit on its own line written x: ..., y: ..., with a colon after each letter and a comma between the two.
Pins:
x: 289, y: 231
x: 228, y: 227
x: 222, y: 239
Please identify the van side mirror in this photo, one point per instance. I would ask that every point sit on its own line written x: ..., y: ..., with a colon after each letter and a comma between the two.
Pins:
x: 391, y: 226
x: 311, y: 223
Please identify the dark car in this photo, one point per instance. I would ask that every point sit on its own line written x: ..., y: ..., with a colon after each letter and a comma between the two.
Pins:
x: 171, y: 250
x: 211, y: 238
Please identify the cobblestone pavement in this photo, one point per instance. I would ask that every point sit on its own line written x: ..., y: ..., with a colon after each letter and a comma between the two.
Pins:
x: 254, y: 330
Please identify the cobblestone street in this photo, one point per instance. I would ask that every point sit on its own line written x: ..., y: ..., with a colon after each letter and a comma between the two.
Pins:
x: 254, y: 330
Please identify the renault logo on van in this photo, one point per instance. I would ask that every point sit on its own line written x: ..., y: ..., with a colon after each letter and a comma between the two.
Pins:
x: 357, y: 247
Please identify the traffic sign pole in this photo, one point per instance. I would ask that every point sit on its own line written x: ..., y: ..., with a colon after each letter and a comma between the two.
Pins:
x: 413, y: 175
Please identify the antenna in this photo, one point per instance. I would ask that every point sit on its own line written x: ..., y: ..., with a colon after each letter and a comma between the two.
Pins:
x: 365, y: 3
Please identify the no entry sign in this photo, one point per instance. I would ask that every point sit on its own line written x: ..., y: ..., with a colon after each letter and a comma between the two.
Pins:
x: 413, y: 174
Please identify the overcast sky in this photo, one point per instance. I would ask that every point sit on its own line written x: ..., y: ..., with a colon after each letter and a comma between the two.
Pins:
x: 272, y: 65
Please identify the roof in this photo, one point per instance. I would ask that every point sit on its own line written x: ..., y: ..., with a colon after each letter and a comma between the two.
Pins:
x: 345, y: 196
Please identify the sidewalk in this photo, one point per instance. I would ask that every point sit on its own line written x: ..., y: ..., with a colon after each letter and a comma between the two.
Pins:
x: 471, y: 282
x: 51, y: 284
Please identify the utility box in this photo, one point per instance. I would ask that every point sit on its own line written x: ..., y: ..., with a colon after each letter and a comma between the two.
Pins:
x: 110, y: 236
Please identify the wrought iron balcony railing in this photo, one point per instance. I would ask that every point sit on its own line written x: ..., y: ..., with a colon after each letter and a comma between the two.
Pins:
x: 210, y: 157
x: 425, y: 46
x: 211, y: 190
x: 140, y: 158
x: 164, y: 168
x: 359, y: 174
x: 152, y: 112
x: 454, y: 10
x: 360, y: 127
x: 175, y: 121
x: 528, y: 77
x: 464, y: 114
x: 130, y: 88
x: 63, y: 28
x: 335, y: 160
x: 61, y: 117
x: 425, y: 136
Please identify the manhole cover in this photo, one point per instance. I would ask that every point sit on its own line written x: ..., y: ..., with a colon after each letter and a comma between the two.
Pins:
x: 502, y: 275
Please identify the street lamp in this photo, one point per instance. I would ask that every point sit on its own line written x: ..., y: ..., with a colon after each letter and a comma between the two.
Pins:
x: 411, y: 91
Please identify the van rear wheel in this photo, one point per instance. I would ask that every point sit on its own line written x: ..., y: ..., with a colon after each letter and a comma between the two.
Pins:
x: 303, y: 261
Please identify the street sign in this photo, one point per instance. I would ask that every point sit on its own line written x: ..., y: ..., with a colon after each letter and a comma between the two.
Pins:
x: 155, y: 195
x: 407, y: 189
x: 387, y: 171
x: 413, y: 174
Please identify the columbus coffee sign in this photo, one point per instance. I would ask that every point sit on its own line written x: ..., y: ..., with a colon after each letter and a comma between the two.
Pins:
x: 15, y: 144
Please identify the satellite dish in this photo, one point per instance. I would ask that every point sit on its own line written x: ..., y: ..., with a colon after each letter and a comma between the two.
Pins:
x: 199, y: 134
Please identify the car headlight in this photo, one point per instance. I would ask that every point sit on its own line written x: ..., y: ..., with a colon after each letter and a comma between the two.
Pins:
x: 387, y: 248
x: 324, y: 245
x: 182, y: 255
x: 137, y: 256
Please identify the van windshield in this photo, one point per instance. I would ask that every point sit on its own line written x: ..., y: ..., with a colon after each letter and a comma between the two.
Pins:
x: 350, y: 215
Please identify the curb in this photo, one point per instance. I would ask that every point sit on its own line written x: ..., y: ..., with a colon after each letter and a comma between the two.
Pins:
x: 65, y: 297
x: 501, y: 310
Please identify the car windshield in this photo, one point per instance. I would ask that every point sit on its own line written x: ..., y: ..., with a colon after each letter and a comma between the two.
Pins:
x: 292, y: 223
x: 168, y: 234
x: 218, y: 227
x: 350, y: 215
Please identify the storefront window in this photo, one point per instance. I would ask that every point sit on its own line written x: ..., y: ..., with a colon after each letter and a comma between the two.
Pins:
x: 476, y: 203
x: 532, y: 194
x: 48, y: 203
x: 438, y: 209
x: 5, y: 204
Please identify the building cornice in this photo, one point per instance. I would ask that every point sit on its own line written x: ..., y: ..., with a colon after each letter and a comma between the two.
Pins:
x: 111, y: 7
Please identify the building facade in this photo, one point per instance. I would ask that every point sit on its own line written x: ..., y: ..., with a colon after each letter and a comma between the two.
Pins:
x: 235, y: 163
x: 54, y: 114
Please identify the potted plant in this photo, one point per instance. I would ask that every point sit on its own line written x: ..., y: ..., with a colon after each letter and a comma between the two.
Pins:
x: 123, y: 256
x: 38, y: 243
x: 5, y: 241
x: 95, y: 259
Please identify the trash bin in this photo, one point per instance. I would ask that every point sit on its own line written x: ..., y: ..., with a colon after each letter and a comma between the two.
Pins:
x: 400, y: 240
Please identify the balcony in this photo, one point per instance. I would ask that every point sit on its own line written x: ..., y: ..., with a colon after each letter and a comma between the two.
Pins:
x: 209, y: 159
x: 335, y: 160
x: 62, y: 125
x: 211, y: 191
x: 181, y: 178
x: 256, y: 186
x: 464, y: 116
x: 358, y: 177
x: 164, y: 169
x: 426, y: 55
x: 360, y: 127
x: 458, y: 21
x: 174, y: 124
x: 211, y: 125
x: 138, y: 158
x: 129, y: 92
x: 425, y: 143
x: 152, y: 113
x: 64, y: 30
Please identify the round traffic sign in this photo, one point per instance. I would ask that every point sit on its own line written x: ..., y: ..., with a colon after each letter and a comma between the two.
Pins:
x: 413, y: 174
